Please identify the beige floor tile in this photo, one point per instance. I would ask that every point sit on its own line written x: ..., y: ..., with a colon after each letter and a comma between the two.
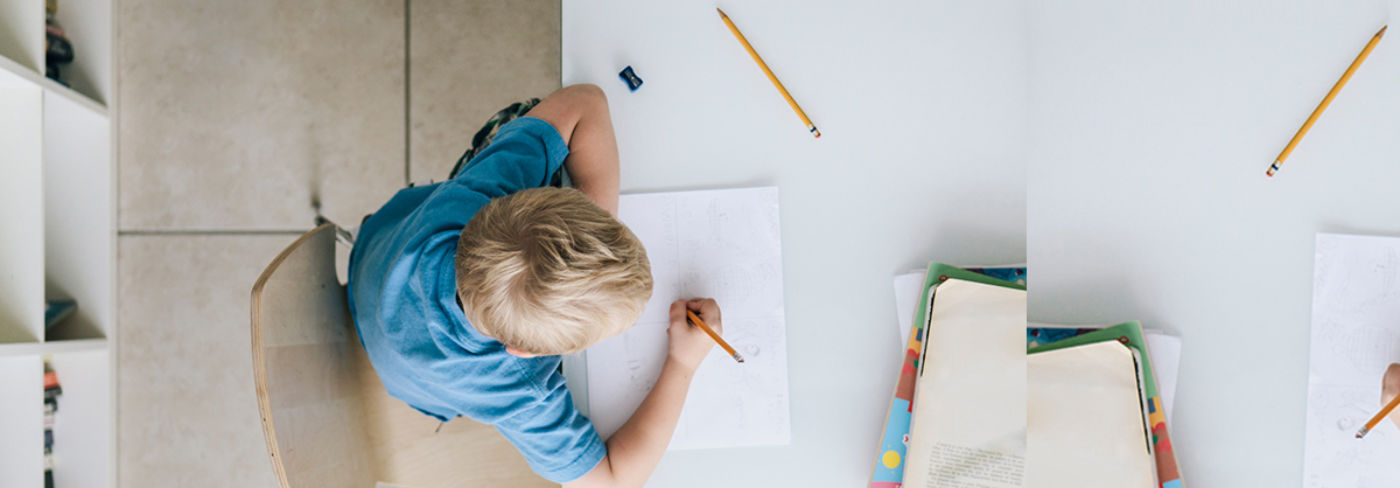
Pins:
x: 231, y: 112
x: 187, y: 411
x: 467, y: 60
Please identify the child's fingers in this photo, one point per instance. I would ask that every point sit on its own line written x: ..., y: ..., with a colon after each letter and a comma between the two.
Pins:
x: 707, y: 308
x: 678, y: 311
x: 1390, y: 384
x: 698, y: 304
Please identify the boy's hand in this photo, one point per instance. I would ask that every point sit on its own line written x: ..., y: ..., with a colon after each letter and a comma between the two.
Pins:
x: 637, y: 446
x: 1390, y: 386
x: 688, y: 344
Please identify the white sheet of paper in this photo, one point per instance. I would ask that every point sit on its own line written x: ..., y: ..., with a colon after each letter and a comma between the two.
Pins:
x: 908, y: 290
x: 724, y: 244
x: 1165, y: 353
x: 1355, y: 335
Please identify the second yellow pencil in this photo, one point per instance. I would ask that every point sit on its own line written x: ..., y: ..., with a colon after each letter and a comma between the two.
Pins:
x: 1371, y: 424
x: 771, y: 77
x: 1273, y: 168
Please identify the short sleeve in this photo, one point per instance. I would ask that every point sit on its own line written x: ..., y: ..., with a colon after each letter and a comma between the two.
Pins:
x: 525, y: 153
x: 556, y: 439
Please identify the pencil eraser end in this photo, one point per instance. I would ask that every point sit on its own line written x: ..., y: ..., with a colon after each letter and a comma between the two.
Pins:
x: 630, y: 77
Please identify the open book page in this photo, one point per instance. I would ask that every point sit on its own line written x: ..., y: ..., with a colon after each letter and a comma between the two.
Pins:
x: 969, y: 426
x: 1163, y: 349
x: 1085, y: 422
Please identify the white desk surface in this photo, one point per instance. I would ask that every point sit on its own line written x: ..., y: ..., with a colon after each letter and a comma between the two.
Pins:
x: 1152, y: 128
x: 921, y: 108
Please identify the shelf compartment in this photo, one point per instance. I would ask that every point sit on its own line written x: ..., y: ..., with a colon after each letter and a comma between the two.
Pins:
x: 79, y: 230
x: 22, y: 32
x: 82, y: 427
x: 88, y: 24
x: 21, y: 210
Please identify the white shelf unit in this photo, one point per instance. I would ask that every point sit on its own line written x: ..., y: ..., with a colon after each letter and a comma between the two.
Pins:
x: 57, y: 241
x: 22, y: 421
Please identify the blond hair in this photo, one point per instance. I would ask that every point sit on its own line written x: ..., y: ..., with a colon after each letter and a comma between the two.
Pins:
x: 549, y: 272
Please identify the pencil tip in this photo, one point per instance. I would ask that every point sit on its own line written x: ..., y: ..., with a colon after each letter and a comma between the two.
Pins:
x: 1382, y: 31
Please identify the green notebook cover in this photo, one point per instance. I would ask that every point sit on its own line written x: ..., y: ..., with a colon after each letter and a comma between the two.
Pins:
x: 939, y: 272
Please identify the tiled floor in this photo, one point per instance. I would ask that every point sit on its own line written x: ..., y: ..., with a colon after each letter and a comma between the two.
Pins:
x: 233, y: 114
x: 231, y: 117
x: 188, y: 412
x: 468, y: 60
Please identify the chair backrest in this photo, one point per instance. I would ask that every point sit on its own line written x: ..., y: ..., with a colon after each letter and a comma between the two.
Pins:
x: 326, y: 417
x: 304, y: 368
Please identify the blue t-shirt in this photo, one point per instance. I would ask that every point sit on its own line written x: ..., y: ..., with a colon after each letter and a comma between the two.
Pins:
x: 403, y: 297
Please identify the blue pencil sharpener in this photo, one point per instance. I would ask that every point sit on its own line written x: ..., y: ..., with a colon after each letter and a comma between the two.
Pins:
x: 630, y: 77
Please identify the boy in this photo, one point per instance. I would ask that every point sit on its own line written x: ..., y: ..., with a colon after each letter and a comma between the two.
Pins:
x: 465, y: 292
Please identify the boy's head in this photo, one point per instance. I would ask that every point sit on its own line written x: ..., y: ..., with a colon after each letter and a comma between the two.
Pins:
x: 546, y: 271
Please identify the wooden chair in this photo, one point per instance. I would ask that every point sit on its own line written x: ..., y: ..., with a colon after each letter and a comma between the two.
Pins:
x: 326, y: 417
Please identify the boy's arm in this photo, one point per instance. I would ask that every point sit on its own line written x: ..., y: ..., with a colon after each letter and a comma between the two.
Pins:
x: 580, y: 114
x: 634, y: 449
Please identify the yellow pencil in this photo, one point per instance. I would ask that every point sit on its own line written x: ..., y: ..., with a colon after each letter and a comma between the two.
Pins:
x: 720, y: 340
x: 1377, y: 419
x: 803, y: 115
x: 1273, y: 168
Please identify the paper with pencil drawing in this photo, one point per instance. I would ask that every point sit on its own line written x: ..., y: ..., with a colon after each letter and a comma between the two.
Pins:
x: 1355, y: 335
x: 723, y: 244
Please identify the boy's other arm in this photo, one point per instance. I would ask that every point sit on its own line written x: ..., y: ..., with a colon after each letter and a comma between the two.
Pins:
x: 580, y: 114
x: 634, y: 449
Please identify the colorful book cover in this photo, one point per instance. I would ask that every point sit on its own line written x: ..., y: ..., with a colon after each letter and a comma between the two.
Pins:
x: 1130, y: 334
x: 889, y: 460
